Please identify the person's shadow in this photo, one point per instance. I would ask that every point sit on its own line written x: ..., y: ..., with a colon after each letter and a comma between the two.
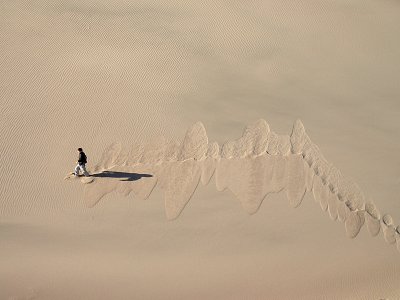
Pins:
x: 123, y: 175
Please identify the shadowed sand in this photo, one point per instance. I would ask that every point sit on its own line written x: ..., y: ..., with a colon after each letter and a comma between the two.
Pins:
x: 123, y: 176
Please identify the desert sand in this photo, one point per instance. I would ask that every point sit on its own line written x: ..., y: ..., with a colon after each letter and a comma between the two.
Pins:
x: 238, y: 149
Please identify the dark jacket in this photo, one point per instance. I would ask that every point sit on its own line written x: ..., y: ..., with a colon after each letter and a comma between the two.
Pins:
x: 82, y: 158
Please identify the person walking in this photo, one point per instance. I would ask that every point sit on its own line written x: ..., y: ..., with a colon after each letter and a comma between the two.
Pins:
x: 81, y: 166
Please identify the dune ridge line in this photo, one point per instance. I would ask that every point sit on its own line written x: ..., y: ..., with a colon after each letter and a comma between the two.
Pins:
x: 260, y: 162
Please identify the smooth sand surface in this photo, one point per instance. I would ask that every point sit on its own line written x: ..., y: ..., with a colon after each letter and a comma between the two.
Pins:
x: 159, y: 94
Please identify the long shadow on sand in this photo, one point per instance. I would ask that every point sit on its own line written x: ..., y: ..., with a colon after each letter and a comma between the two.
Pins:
x: 123, y: 175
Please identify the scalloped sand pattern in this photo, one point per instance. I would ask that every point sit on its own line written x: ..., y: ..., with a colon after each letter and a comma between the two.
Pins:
x: 257, y: 164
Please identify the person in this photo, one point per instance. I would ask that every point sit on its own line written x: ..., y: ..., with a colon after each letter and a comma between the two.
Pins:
x: 81, y: 166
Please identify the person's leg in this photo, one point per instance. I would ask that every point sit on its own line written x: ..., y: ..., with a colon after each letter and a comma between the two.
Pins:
x: 77, y: 168
x: 83, y: 169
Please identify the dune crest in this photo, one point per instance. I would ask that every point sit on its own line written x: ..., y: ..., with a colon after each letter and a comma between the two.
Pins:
x: 257, y: 164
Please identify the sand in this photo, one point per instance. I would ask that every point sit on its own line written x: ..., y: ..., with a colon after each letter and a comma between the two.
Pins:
x: 206, y: 184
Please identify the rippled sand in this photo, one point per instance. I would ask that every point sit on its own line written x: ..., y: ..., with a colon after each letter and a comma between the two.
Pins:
x: 173, y: 211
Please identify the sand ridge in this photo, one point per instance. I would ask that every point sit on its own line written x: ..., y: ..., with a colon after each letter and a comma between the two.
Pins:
x: 257, y: 164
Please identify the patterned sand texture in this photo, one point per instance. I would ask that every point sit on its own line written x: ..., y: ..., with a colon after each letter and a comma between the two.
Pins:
x: 257, y: 164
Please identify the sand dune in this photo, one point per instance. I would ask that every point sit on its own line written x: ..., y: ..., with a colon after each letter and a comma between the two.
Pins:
x: 89, y: 73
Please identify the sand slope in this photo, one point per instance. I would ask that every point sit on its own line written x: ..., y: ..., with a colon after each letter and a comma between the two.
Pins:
x: 138, y: 74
